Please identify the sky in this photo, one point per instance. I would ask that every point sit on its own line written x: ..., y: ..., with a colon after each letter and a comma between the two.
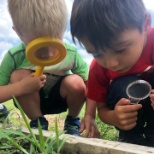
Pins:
x: 8, y: 37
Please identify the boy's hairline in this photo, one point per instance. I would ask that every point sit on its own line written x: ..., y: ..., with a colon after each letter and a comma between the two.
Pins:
x: 79, y: 34
x: 116, y: 46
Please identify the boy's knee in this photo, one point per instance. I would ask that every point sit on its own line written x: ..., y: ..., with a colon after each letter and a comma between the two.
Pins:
x: 18, y: 75
x: 78, y: 85
x: 74, y: 84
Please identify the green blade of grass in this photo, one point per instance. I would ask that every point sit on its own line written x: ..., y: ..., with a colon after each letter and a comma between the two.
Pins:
x: 41, y: 138
x: 57, y: 134
x: 26, y: 122
x: 16, y: 145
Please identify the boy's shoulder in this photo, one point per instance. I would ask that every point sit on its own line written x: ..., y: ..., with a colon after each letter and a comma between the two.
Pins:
x: 151, y: 35
x: 17, y: 49
x: 70, y: 47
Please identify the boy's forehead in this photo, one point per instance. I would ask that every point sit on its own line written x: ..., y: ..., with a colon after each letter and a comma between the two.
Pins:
x: 122, y: 40
x: 126, y: 38
x: 120, y: 43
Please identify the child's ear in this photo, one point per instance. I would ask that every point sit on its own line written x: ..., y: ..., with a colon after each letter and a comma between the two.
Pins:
x: 14, y: 28
x: 147, y: 24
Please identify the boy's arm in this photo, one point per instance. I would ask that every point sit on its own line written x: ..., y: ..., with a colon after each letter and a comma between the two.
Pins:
x: 124, y: 115
x: 28, y: 85
x: 9, y: 90
x: 88, y: 122
x: 90, y: 108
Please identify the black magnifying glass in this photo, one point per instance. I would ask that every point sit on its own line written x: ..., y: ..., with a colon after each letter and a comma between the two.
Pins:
x: 138, y: 90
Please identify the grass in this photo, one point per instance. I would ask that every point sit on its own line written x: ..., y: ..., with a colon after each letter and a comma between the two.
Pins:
x: 107, y: 132
x: 16, y: 142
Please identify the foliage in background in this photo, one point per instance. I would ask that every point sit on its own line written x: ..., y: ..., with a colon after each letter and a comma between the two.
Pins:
x: 108, y: 132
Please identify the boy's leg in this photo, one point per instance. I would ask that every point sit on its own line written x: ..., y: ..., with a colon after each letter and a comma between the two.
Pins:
x: 117, y: 90
x: 73, y: 90
x: 69, y: 93
x: 149, y: 126
x: 3, y: 113
x: 149, y: 116
x: 29, y: 103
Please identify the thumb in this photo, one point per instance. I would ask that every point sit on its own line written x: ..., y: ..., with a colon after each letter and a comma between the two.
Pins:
x: 42, y: 77
x: 123, y: 102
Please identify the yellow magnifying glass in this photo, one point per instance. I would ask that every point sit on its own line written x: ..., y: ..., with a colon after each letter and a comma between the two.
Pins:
x: 35, y: 47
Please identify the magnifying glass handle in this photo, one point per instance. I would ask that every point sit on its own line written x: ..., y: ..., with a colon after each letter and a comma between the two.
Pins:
x: 39, y: 71
x: 134, y: 101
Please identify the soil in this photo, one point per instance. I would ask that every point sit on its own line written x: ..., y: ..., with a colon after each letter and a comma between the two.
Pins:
x: 51, y: 119
x: 16, y: 119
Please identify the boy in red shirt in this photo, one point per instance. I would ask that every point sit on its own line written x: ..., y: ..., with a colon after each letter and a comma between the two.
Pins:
x: 119, y: 36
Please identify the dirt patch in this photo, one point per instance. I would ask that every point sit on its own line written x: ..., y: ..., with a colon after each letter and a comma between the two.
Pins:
x: 51, y: 119
x: 17, y: 120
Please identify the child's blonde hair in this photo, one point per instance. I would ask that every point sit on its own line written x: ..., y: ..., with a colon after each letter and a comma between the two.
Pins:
x: 39, y: 17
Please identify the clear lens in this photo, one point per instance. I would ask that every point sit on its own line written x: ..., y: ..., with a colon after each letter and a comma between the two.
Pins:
x: 138, y: 90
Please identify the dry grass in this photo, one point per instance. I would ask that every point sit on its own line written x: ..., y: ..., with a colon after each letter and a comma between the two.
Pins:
x: 17, y: 120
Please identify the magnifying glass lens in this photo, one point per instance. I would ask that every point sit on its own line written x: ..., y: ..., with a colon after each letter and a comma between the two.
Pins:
x: 138, y: 90
x: 46, y: 53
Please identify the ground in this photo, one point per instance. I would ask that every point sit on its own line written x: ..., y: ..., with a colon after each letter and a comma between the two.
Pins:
x: 17, y: 120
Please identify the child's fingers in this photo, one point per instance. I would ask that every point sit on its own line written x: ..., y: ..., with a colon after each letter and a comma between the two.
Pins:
x: 87, y: 131
x: 152, y: 104
x: 42, y: 77
x: 81, y: 127
x: 94, y: 133
x: 152, y: 91
x: 126, y: 106
x: 123, y: 102
x: 151, y: 96
x: 152, y: 100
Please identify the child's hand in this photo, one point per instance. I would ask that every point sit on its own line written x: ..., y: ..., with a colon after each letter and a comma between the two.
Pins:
x: 152, y: 98
x: 88, y: 124
x: 31, y: 84
x: 125, y: 114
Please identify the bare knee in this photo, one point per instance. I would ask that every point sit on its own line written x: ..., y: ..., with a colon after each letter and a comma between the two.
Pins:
x: 73, y: 85
x: 78, y: 87
x: 18, y: 75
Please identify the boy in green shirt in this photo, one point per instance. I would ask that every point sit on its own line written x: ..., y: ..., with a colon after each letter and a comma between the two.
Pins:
x: 62, y: 86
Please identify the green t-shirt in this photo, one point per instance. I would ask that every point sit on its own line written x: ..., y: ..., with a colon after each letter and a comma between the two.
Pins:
x: 15, y: 59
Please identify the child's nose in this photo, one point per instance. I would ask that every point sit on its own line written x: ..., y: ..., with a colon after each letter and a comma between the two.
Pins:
x: 112, y: 63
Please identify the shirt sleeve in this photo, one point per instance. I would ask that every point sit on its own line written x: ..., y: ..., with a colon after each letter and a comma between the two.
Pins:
x: 80, y: 67
x: 98, y: 83
x: 6, y: 68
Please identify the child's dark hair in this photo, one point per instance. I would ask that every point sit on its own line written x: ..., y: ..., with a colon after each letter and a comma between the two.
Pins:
x: 102, y: 21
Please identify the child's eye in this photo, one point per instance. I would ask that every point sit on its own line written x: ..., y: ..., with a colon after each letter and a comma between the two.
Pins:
x: 97, y: 55
x: 119, y: 51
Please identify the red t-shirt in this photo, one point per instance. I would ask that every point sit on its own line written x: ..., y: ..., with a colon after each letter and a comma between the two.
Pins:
x: 100, y: 78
